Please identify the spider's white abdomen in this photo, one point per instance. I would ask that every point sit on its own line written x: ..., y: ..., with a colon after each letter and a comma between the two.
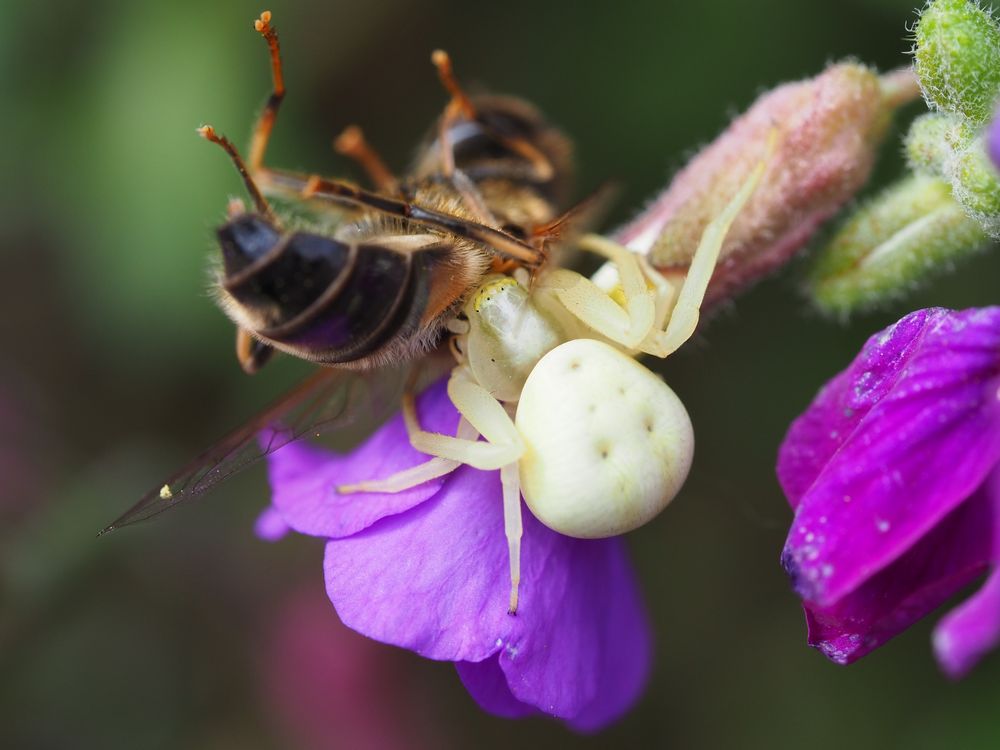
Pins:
x: 609, y: 444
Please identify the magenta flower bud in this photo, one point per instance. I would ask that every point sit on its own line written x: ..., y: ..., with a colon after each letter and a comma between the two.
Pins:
x: 827, y: 127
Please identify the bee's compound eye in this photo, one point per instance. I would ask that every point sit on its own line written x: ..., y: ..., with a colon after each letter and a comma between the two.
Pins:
x: 244, y: 240
x: 609, y: 444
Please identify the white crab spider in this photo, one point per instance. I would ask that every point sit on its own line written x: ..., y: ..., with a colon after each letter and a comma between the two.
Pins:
x: 597, y: 444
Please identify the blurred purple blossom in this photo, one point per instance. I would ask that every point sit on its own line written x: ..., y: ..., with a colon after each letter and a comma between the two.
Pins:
x: 993, y: 139
x: 892, y: 473
x: 426, y: 569
x: 21, y: 450
x: 330, y: 688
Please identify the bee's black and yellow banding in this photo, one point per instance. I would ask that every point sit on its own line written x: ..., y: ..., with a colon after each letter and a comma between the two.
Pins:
x: 382, y: 286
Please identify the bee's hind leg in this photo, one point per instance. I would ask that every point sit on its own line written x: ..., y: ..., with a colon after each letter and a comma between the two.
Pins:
x: 459, y: 107
x: 352, y: 144
x: 265, y: 122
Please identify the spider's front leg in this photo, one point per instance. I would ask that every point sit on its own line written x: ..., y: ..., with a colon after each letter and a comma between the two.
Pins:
x: 653, y: 316
x: 481, y: 414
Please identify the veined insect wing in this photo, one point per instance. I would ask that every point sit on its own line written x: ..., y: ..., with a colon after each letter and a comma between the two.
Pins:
x: 328, y: 400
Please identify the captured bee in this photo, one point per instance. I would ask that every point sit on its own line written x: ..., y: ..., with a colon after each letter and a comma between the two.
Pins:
x: 379, y: 288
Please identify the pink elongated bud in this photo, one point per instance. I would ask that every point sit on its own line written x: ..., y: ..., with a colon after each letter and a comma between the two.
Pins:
x: 828, y: 129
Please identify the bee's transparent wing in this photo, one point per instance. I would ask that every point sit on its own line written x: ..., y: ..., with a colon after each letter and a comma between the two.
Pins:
x: 328, y: 400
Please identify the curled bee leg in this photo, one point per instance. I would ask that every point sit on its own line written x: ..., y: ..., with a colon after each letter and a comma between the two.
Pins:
x: 251, y: 353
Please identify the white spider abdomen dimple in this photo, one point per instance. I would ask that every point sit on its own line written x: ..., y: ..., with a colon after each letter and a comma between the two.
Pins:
x: 609, y: 444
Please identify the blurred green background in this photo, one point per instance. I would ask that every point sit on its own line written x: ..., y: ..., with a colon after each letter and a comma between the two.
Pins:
x: 188, y: 632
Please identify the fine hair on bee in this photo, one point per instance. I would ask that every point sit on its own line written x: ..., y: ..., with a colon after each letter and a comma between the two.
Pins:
x: 371, y: 278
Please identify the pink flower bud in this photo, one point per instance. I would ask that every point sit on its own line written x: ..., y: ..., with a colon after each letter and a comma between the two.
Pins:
x: 827, y: 130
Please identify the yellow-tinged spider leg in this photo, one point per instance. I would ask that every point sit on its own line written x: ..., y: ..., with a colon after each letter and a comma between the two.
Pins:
x: 484, y: 413
x: 511, y: 481
x: 591, y: 305
x: 415, y: 475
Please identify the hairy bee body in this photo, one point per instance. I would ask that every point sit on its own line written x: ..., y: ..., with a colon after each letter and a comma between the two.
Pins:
x: 380, y: 288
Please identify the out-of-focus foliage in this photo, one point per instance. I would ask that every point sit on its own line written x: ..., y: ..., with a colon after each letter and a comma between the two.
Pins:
x: 117, y: 366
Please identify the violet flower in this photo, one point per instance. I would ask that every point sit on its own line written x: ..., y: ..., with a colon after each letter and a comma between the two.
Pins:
x: 326, y: 687
x: 426, y: 569
x: 993, y: 139
x: 893, y: 475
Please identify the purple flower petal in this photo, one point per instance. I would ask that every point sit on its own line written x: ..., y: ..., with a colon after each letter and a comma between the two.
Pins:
x: 993, y: 139
x: 973, y: 628
x: 304, y: 477
x: 970, y: 630
x: 487, y: 684
x: 913, y: 429
x: 435, y: 580
x: 836, y: 412
x: 270, y: 526
x: 950, y: 556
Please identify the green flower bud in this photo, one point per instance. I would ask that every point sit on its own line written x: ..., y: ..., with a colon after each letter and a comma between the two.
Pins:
x: 957, y: 58
x: 910, y: 230
x: 976, y: 186
x: 934, y: 139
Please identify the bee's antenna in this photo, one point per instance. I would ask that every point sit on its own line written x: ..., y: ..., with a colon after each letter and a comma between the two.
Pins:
x: 208, y: 133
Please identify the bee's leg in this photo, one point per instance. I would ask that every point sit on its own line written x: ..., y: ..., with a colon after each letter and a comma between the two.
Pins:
x: 473, y: 199
x: 260, y: 203
x: 304, y: 186
x: 460, y: 107
x: 265, y: 122
x: 235, y: 207
x: 352, y: 144
x: 251, y: 353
